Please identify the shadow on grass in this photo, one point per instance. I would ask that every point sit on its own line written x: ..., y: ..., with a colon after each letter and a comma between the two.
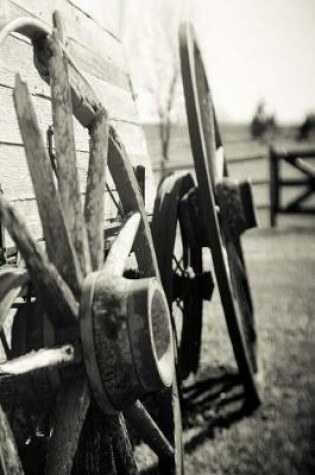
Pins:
x: 215, y: 401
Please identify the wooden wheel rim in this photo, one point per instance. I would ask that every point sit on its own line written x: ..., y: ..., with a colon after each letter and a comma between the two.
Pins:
x: 165, y: 223
x: 204, y: 154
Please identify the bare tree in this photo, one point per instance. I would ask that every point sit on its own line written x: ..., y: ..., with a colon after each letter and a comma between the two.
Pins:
x: 152, y: 47
x: 164, y: 50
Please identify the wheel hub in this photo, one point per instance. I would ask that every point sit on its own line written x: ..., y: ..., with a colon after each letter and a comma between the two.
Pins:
x: 126, y: 337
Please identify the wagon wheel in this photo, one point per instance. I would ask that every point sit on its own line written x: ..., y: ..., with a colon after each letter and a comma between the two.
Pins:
x: 180, y: 262
x: 112, y: 337
x: 227, y: 210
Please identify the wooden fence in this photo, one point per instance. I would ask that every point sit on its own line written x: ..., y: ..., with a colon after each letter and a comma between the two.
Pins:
x: 264, y: 170
x: 296, y: 160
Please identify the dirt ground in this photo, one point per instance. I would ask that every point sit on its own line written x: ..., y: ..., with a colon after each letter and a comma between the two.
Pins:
x: 279, y: 437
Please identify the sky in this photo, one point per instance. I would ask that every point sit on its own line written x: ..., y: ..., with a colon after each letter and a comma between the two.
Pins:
x: 253, y: 50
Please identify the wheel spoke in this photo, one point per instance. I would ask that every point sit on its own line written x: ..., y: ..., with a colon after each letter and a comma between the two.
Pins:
x: 94, y: 200
x: 70, y: 412
x: 116, y: 260
x: 58, y: 242
x: 9, y: 458
x: 38, y: 360
x: 169, y: 416
x: 12, y: 281
x: 131, y: 199
x: 65, y: 151
x: 148, y: 430
x: 124, y: 460
x: 57, y: 298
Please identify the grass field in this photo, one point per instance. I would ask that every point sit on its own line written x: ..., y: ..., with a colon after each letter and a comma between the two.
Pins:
x: 278, y: 439
x: 221, y: 438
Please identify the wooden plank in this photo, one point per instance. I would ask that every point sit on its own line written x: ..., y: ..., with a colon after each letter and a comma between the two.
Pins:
x: 109, y: 17
x: 97, y: 66
x: 16, y: 55
x: 119, y: 103
x: 28, y: 209
x: 9, y: 129
x: 78, y: 25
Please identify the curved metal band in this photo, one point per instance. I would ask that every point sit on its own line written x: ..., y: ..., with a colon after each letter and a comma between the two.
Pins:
x: 88, y: 345
x: 29, y: 27
x: 84, y: 101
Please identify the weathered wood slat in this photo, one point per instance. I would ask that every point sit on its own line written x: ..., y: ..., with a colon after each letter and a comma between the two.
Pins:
x: 15, y: 178
x: 78, y: 25
x: 130, y: 133
x: 17, y: 55
x: 97, y: 66
x: 9, y: 126
x: 9, y: 131
x: 58, y: 241
x: 66, y: 154
x: 108, y: 17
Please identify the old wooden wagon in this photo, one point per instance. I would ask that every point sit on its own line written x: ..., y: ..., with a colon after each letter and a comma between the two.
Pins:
x: 94, y: 262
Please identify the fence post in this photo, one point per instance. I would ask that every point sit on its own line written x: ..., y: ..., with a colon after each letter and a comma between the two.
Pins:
x: 274, y: 185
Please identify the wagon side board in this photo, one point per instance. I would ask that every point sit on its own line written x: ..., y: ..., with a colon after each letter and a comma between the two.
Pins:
x: 92, y: 39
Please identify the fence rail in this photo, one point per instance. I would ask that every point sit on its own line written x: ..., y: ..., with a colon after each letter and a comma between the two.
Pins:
x: 296, y: 160
x: 274, y: 182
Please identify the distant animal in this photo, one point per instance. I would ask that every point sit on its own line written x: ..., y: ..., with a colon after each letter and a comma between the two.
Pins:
x: 307, y: 128
x: 261, y: 124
